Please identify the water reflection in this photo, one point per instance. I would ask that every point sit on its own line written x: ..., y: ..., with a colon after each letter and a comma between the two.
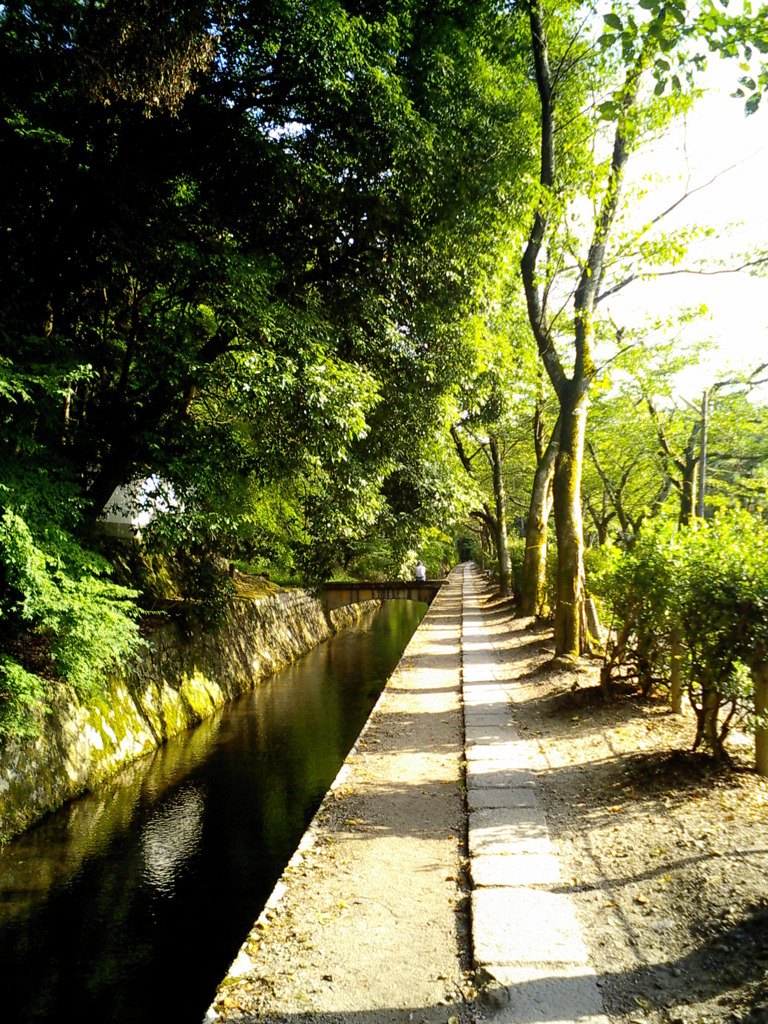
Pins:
x: 172, y: 837
x: 130, y: 903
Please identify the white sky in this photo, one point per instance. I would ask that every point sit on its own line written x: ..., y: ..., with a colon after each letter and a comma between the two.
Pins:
x: 716, y: 136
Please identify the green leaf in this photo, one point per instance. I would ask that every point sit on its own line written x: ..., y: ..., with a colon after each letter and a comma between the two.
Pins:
x: 752, y: 104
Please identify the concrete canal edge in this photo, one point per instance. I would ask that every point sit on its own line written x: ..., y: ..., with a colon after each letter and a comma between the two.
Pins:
x: 177, y: 680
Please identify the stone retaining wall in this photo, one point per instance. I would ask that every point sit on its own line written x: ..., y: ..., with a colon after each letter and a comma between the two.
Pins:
x: 177, y: 681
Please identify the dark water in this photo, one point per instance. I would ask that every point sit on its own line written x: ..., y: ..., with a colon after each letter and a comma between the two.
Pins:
x: 130, y: 904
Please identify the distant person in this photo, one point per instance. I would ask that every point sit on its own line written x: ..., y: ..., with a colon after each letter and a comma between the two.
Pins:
x: 420, y: 571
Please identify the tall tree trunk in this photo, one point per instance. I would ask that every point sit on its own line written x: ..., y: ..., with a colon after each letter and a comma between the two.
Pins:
x: 485, y: 541
x: 532, y: 597
x: 702, y: 488
x: 500, y: 499
x: 690, y: 466
x: 760, y: 676
x: 570, y: 628
x: 707, y: 726
x: 570, y: 624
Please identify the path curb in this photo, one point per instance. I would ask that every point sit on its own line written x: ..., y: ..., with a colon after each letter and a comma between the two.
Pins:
x: 527, y: 945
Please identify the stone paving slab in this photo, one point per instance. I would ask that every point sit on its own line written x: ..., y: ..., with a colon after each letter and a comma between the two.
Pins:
x: 508, y: 830
x: 491, y: 775
x: 491, y: 734
x: 510, y: 753
x: 515, y: 869
x: 519, y: 926
x: 490, y: 696
x: 490, y: 716
x: 517, y: 754
x: 501, y: 796
x: 556, y: 995
x: 479, y: 671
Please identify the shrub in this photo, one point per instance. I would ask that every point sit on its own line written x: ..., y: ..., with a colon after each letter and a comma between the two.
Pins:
x: 723, y: 611
x: 710, y: 580
x: 55, y: 590
x: 634, y: 588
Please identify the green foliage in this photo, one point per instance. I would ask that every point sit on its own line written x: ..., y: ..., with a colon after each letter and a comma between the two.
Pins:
x: 54, y: 589
x: 711, y: 581
x: 239, y: 245
x: 635, y: 589
x: 23, y: 698
x: 724, y: 604
x: 468, y: 546
x: 438, y: 552
x: 516, y: 559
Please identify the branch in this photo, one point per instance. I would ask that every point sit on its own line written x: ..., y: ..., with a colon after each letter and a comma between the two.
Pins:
x: 534, y: 301
x: 643, y: 276
x: 485, y: 516
x: 462, y: 453
x: 692, y: 192
x: 593, y: 270
x: 663, y: 437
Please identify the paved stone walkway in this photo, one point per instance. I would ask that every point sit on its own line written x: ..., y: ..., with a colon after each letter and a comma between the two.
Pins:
x: 391, y: 953
x: 526, y: 940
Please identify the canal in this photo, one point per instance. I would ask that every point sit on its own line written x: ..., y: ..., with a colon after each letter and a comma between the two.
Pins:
x: 130, y: 903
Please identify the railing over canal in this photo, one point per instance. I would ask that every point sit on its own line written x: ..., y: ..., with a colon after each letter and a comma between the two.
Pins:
x: 336, y: 595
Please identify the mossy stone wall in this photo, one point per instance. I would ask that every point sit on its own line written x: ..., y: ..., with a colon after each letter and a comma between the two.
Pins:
x: 176, y: 682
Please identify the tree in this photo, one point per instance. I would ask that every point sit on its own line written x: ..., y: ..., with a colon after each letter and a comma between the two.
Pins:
x: 494, y: 518
x: 238, y: 239
x: 533, y: 590
x: 637, y: 47
x: 493, y: 405
x: 710, y: 581
x: 294, y: 201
